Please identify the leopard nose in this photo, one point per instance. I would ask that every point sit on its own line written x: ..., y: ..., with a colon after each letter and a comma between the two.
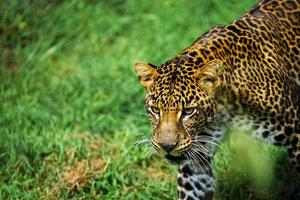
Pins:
x: 167, y: 146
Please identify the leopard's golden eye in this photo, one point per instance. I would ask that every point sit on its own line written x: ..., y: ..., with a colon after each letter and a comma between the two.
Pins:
x: 188, y: 111
x: 154, y: 110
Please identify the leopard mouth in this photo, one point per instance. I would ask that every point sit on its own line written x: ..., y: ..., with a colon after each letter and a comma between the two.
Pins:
x: 175, y: 159
x: 195, y: 156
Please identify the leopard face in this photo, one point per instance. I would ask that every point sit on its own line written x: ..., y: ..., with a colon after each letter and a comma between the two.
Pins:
x: 179, y: 103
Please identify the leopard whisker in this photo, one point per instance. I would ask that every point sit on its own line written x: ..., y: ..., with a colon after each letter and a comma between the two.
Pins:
x: 204, y: 158
x: 201, y: 157
x: 150, y: 151
x: 209, y: 137
x: 190, y: 159
x: 144, y: 139
x: 145, y: 114
x: 195, y: 160
x: 207, y: 141
x: 146, y: 142
x: 202, y: 149
x: 213, y: 143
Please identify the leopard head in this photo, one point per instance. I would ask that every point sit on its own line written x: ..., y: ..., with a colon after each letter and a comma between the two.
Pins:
x: 180, y: 101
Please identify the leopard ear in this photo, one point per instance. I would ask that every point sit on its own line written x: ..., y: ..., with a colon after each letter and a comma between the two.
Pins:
x: 208, y: 75
x: 146, y: 73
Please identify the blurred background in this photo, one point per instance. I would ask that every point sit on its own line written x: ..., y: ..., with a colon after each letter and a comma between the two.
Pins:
x: 71, y: 106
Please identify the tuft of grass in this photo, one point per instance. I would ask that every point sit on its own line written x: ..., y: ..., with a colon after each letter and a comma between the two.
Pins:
x: 71, y: 106
x: 250, y: 169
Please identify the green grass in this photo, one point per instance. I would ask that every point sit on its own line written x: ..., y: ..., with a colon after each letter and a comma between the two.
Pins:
x: 71, y: 106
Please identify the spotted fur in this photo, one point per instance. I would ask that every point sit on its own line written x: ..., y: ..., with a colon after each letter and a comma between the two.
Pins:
x: 245, y: 74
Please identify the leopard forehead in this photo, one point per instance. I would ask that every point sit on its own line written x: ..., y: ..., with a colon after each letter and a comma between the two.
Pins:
x: 176, y: 87
x: 177, y: 93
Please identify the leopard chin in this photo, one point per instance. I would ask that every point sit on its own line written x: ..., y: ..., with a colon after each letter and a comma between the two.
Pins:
x: 176, y: 159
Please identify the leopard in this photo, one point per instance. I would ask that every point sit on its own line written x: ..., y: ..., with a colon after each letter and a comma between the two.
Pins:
x: 244, y: 74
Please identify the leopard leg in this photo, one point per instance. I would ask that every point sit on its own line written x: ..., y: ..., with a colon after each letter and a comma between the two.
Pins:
x: 195, y: 183
x: 294, y: 151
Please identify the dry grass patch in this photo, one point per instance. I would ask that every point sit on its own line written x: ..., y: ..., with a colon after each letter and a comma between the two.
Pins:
x: 77, y: 175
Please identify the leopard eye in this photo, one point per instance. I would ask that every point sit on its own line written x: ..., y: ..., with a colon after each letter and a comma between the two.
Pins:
x: 154, y: 110
x: 188, y: 111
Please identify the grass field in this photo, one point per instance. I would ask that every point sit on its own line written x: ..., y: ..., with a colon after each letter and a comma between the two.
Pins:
x: 71, y: 106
